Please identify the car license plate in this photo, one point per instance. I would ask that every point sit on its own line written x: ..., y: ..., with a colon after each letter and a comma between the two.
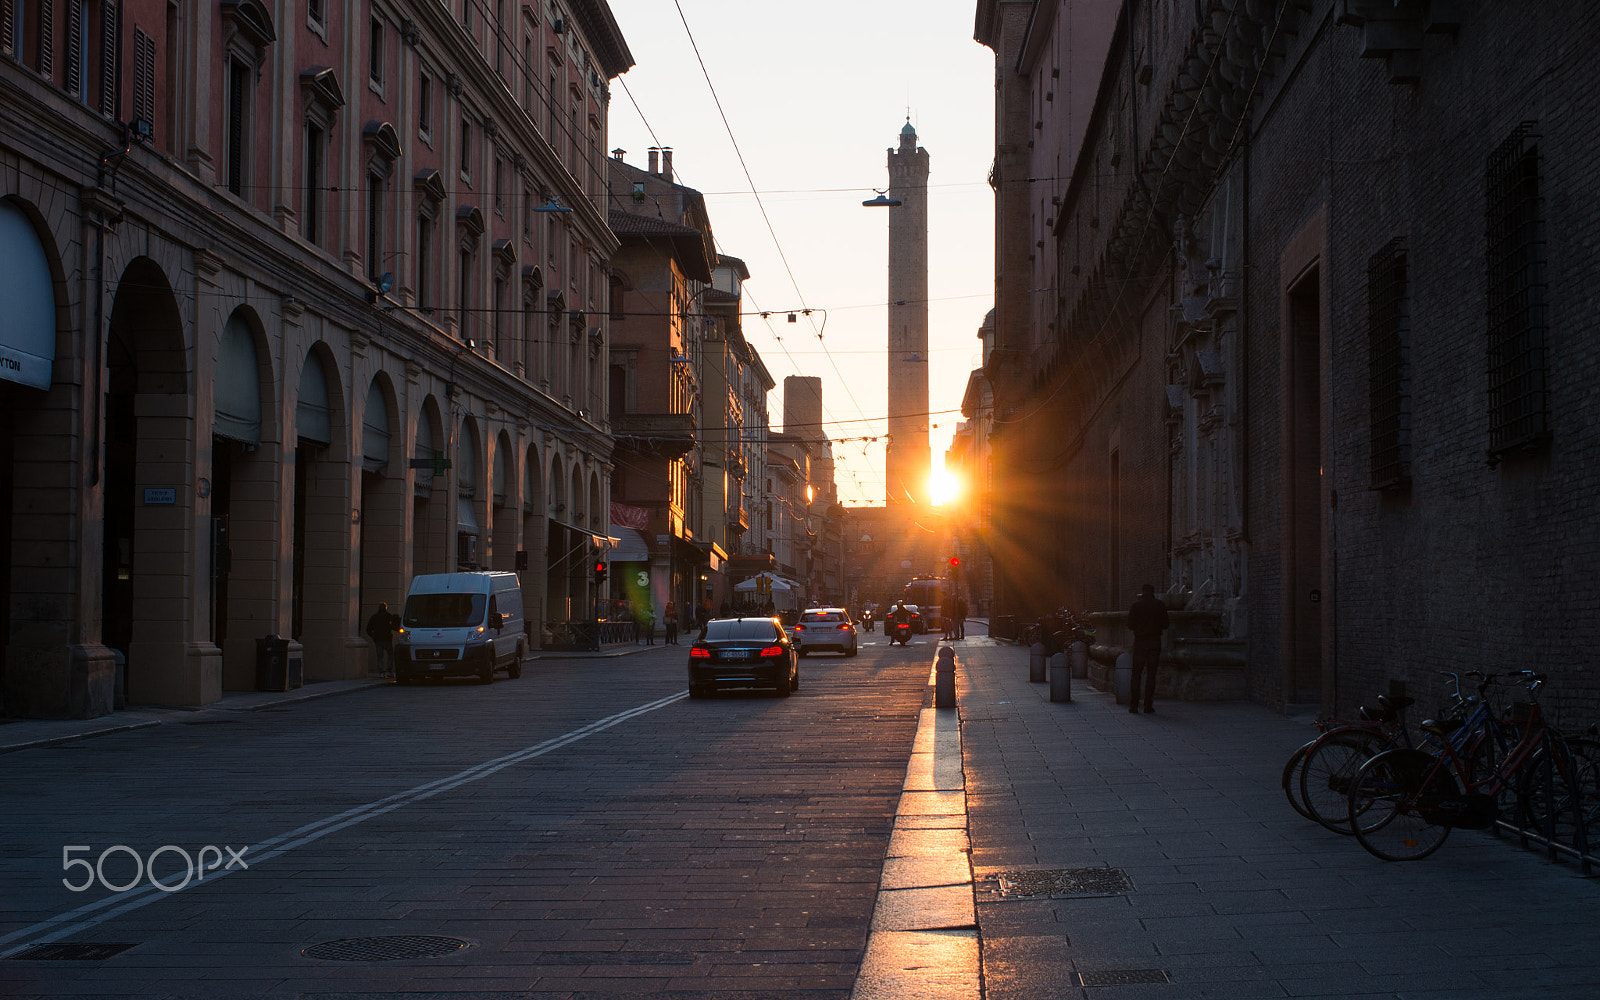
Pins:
x: 736, y: 654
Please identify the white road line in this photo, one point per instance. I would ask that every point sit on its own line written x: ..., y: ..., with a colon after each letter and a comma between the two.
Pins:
x: 101, y: 910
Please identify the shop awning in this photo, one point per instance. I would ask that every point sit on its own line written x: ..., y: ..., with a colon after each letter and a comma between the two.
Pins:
x: 28, y: 335
x: 630, y: 545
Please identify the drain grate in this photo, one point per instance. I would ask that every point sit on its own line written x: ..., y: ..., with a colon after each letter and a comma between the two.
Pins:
x: 1059, y: 883
x: 1123, y: 977
x: 71, y: 952
x: 385, y: 949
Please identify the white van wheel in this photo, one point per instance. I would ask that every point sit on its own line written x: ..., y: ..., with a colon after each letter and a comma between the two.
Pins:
x: 515, y: 670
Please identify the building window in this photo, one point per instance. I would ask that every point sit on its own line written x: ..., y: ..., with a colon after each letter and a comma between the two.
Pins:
x: 499, y: 186
x: 500, y: 351
x: 424, y: 263
x: 45, y: 52
x: 314, y: 12
x: 1388, y: 344
x: 144, y: 77
x: 466, y: 150
x: 464, y: 307
x: 424, y: 104
x: 237, y: 131
x: 316, y: 151
x: 111, y: 59
x: 376, y: 190
x: 375, y: 54
x: 1518, y: 414
x: 500, y: 38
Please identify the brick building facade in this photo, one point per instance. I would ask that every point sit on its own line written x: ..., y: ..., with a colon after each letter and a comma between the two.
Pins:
x: 1313, y: 363
x: 318, y: 295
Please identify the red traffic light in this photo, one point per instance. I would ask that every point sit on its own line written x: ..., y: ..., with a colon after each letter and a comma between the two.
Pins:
x: 955, y: 560
x: 599, y: 567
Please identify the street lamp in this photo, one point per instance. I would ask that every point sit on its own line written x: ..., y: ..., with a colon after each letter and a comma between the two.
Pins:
x: 881, y: 201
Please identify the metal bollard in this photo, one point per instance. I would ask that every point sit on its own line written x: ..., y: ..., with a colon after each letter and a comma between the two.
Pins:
x: 944, y: 678
x: 1080, y: 660
x: 1060, y: 678
x: 1123, y: 677
x: 1036, y: 663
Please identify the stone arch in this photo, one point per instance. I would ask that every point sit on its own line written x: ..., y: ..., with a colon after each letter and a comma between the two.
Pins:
x: 503, y: 500
x: 470, y: 507
x: 148, y: 609
x: 381, y: 507
x: 52, y: 660
x: 430, y: 503
x: 247, y: 498
x: 323, y: 530
x: 535, y: 540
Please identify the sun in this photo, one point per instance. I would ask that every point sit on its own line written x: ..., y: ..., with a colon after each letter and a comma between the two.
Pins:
x: 943, y: 487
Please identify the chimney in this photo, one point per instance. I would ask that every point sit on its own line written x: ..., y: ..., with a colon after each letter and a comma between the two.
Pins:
x: 666, y: 163
x: 655, y: 155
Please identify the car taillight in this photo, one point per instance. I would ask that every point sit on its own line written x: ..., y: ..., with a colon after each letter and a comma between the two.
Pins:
x: 844, y: 627
x: 699, y: 653
x: 799, y: 628
x: 772, y: 651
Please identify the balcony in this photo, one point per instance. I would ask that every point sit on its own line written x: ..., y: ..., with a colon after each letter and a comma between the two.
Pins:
x: 669, y: 434
x: 738, y: 520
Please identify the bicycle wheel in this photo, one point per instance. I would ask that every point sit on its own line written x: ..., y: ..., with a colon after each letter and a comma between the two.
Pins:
x: 1383, y: 804
x: 1329, y: 767
x: 1550, y: 789
x: 1586, y: 758
x: 1291, y: 778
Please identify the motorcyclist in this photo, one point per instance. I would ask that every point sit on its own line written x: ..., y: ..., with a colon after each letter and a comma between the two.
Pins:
x: 866, y: 618
x: 901, y: 615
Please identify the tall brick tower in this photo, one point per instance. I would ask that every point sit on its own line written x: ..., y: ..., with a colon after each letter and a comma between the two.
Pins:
x: 909, y: 456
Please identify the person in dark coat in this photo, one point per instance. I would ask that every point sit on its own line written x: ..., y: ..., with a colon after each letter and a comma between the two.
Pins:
x: 1147, y: 619
x: 380, y: 629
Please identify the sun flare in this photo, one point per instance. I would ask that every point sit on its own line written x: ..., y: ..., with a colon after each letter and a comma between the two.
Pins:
x: 943, y: 487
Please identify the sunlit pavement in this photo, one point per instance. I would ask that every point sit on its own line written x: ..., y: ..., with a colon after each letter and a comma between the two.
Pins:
x: 1187, y: 874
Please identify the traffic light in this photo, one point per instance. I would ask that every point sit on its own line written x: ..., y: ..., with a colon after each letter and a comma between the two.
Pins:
x: 955, y: 566
x: 599, y: 572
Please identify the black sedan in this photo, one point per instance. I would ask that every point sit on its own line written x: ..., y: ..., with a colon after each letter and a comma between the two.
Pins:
x: 743, y: 652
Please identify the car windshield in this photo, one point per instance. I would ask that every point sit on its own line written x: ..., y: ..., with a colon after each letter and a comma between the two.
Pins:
x: 443, y: 610
x: 760, y: 629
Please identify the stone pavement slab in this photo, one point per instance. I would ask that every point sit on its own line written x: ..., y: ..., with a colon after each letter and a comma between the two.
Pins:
x: 1229, y: 893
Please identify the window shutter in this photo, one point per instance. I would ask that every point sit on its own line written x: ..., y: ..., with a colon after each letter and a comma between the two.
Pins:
x: 144, y: 76
x: 8, y: 24
x: 235, y: 128
x: 47, y: 37
x: 108, y: 57
x: 74, y: 81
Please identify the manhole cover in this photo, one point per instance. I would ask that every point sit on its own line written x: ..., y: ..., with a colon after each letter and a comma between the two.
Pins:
x: 1123, y: 977
x: 385, y: 949
x: 71, y: 952
x: 1059, y: 882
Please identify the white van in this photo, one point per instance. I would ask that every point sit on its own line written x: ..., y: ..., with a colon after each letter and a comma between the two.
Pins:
x: 461, y: 625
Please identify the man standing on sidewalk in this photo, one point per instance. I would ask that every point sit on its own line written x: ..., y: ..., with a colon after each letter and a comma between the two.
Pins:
x: 1147, y: 619
x: 380, y: 629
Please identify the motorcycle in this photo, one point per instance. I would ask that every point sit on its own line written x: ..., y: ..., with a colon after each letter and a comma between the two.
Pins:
x: 866, y: 620
x: 899, y: 632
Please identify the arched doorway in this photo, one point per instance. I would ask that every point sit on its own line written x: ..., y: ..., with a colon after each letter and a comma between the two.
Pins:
x: 428, y: 512
x: 381, y: 536
x: 246, y: 498
x: 469, y: 498
x: 503, y: 500
x: 532, y: 559
x: 319, y: 592
x: 148, y: 609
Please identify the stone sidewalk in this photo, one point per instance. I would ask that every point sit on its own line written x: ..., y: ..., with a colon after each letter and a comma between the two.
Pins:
x: 1121, y: 855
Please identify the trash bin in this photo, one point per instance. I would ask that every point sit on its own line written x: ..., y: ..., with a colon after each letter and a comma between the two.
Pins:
x: 272, y: 663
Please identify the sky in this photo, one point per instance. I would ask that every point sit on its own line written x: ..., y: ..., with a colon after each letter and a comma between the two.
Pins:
x: 814, y: 95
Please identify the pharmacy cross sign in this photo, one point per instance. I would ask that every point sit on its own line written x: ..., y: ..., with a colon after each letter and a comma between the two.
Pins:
x: 438, y: 463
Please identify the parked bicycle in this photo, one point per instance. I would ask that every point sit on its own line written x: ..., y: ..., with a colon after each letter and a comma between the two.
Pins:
x: 1404, y: 802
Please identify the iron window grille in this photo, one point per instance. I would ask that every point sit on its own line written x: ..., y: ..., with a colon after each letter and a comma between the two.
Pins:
x: 1518, y: 407
x: 1388, y: 359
